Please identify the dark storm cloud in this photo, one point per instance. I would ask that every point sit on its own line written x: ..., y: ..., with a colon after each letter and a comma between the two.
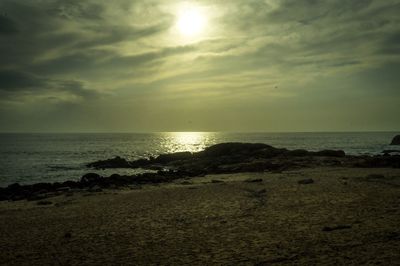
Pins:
x: 310, y: 11
x: 112, y: 34
x: 76, y: 88
x: 15, y: 80
x: 76, y: 9
x: 391, y: 44
x: 58, y: 40
x: 7, y: 26
x: 75, y: 62
x: 102, y: 60
x: 14, y: 83
x: 317, y: 25
x: 66, y: 25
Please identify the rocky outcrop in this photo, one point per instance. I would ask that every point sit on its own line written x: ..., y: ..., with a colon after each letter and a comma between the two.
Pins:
x: 91, y: 182
x: 167, y: 158
x: 395, y: 140
x: 249, y: 157
x: 330, y: 153
x: 385, y: 161
x: 236, y: 149
x: 215, y: 156
x: 218, y: 159
x: 116, y: 162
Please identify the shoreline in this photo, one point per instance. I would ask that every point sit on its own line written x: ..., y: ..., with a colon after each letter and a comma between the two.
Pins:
x: 223, y: 158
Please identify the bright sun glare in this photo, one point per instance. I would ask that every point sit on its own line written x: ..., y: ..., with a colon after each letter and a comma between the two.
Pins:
x: 191, y: 21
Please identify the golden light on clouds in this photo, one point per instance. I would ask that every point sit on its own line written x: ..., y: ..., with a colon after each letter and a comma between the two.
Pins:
x: 191, y: 20
x: 224, y: 65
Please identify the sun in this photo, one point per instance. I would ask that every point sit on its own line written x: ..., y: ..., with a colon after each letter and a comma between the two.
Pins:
x: 191, y: 21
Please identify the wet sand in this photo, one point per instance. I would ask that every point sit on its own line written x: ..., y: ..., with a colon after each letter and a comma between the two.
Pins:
x: 343, y: 218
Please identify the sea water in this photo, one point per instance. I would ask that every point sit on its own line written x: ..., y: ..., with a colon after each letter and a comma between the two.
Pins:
x: 31, y: 158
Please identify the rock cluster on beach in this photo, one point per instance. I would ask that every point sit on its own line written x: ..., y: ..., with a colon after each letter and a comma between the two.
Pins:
x: 396, y: 140
x: 221, y: 158
x: 248, y: 157
x: 217, y: 159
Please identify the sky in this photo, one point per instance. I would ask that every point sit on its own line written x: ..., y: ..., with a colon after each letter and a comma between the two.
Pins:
x: 212, y: 65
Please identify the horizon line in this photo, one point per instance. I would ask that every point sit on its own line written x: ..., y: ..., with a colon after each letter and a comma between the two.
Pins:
x: 226, y: 132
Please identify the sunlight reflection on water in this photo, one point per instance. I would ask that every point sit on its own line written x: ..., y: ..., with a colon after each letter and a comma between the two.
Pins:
x: 188, y: 141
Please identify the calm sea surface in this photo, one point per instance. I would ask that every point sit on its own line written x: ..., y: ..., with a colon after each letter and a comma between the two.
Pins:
x: 30, y: 158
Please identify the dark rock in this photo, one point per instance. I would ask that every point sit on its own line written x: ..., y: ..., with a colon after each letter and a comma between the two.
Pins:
x: 95, y: 189
x: 3, y: 194
x: 38, y: 196
x: 135, y: 187
x: 21, y: 193
x: 70, y: 184
x: 261, y: 191
x: 117, y: 180
x: 167, y: 158
x: 252, y: 180
x: 151, y: 178
x: 156, y: 167
x: 332, y: 162
x: 331, y: 153
x: 53, y: 194
x: 375, y: 176
x: 395, y: 140
x: 186, y: 172
x: 115, y: 176
x: 69, y: 194
x: 141, y: 163
x: 379, y: 162
x: 42, y: 187
x: 90, y: 178
x: 235, y: 148
x: 216, y: 181
x: 270, y: 152
x: 392, y: 236
x: 114, y: 180
x: 252, y: 166
x: 63, y: 189
x: 68, y: 235
x: 44, y: 202
x: 306, y: 181
x: 116, y: 162
x: 17, y: 197
x: 14, y: 188
x: 390, y: 152
x: 297, y: 153
x: 336, y: 227
x: 43, y: 191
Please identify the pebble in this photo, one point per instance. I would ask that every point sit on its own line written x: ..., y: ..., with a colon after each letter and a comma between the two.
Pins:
x: 306, y: 181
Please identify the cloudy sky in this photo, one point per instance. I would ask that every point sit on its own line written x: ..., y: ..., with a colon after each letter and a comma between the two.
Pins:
x: 212, y: 65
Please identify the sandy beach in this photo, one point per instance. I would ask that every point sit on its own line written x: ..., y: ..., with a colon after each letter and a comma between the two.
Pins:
x: 347, y: 216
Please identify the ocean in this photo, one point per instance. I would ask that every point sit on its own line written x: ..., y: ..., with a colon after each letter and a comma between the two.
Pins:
x: 31, y: 158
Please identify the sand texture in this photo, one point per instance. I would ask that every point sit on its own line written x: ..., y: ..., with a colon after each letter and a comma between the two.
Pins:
x: 343, y: 217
